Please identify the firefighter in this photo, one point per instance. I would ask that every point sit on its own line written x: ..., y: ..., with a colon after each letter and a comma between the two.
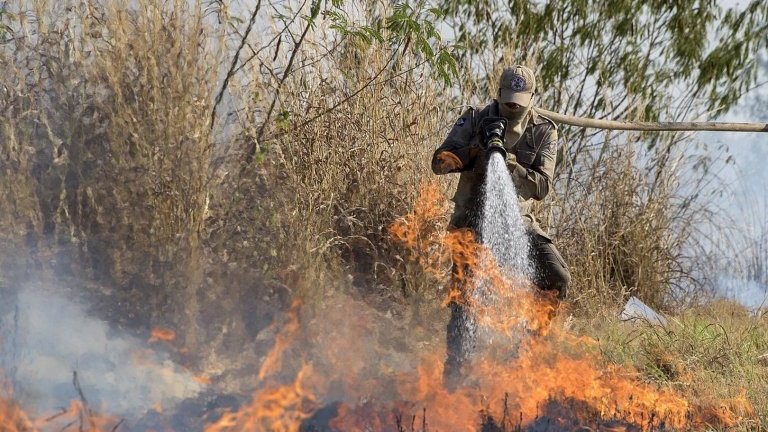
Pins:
x: 530, y: 141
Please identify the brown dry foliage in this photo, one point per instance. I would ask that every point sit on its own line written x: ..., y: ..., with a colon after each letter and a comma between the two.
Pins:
x: 109, y: 153
x: 109, y: 140
x: 110, y: 171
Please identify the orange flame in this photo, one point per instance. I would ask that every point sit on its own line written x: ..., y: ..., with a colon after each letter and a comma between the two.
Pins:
x: 274, y: 407
x: 202, y: 379
x: 557, y: 366
x: 512, y: 385
x: 78, y: 415
x: 473, y: 266
x: 549, y: 365
x: 538, y: 370
x: 12, y: 418
x: 160, y: 334
x: 537, y: 365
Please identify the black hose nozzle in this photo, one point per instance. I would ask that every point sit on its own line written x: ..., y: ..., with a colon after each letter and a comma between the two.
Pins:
x: 493, y: 135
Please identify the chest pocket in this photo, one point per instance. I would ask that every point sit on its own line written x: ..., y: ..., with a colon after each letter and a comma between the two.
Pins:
x: 525, y: 149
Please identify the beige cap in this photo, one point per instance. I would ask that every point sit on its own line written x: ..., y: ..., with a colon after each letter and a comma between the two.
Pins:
x: 517, y: 85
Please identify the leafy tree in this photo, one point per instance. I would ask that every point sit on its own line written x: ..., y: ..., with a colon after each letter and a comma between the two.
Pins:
x: 623, y: 59
x: 617, y: 58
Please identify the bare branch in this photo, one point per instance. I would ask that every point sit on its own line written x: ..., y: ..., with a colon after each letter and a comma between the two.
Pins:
x: 232, y: 69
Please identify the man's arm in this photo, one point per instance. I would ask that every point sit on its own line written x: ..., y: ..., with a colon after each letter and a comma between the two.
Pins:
x: 534, y: 180
x: 456, y: 153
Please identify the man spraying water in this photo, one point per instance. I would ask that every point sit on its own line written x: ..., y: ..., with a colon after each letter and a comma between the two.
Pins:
x: 507, y: 133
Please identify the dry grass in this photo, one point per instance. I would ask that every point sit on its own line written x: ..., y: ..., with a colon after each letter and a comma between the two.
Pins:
x: 708, y: 354
x: 110, y: 172
x: 628, y: 228
x: 113, y: 154
x: 109, y: 142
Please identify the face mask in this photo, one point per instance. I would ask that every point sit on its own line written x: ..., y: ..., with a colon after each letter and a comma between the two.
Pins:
x: 517, y: 120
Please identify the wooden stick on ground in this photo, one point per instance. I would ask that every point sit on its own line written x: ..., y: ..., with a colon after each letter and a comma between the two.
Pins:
x: 652, y: 126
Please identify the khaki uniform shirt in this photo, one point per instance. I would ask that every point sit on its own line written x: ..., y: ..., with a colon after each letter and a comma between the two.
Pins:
x: 536, y: 153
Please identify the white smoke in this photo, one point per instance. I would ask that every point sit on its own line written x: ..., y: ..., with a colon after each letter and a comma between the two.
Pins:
x: 750, y: 294
x: 45, y: 337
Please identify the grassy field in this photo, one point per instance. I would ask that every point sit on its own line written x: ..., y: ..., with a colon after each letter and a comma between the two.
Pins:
x: 182, y: 190
x: 708, y: 353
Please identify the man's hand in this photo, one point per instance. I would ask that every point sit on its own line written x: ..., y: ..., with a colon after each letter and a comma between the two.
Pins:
x: 512, y: 164
x: 446, y: 162
x: 515, y: 170
x: 511, y: 161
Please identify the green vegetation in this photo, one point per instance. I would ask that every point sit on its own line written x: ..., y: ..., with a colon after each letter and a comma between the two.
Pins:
x: 709, y: 353
x: 120, y: 168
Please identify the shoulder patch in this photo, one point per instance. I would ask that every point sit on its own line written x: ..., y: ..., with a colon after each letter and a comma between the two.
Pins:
x: 551, y: 146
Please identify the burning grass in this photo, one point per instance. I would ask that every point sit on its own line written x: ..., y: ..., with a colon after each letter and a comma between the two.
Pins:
x: 13, y: 418
x: 77, y: 416
x: 330, y: 368
x: 533, y: 375
x: 127, y: 180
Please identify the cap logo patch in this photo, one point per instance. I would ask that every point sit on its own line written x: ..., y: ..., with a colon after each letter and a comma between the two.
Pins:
x: 518, y: 83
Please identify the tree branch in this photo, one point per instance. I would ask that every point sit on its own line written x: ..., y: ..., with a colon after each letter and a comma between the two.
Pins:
x: 232, y: 70
x: 252, y: 149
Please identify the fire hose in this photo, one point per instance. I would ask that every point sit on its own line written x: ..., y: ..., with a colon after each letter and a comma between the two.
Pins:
x: 493, y: 127
x: 652, y: 126
x: 493, y: 133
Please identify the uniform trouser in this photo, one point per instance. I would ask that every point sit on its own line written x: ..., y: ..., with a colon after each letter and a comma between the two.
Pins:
x: 549, y: 269
x: 550, y: 273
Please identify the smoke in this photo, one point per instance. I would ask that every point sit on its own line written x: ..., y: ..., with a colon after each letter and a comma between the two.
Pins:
x: 334, y: 355
x: 342, y: 363
x: 750, y: 294
x: 352, y: 345
x: 46, y: 336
